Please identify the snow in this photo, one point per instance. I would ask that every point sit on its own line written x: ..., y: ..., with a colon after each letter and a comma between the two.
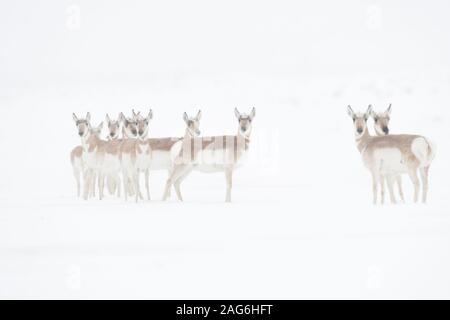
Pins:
x: 301, y: 224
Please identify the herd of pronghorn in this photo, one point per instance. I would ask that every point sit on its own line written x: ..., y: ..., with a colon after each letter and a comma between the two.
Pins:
x: 388, y: 156
x: 120, y: 161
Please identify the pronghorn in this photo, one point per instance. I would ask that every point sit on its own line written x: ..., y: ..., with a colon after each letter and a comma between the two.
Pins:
x: 111, y: 166
x: 113, y: 128
x: 163, y: 151
x: 134, y: 153
x: 211, y: 154
x: 381, y: 126
x: 392, y: 155
x: 78, y: 155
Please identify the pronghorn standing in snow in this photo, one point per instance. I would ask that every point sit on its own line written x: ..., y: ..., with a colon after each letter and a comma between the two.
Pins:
x: 163, y: 151
x: 211, y: 154
x: 135, y: 152
x: 111, y: 166
x: 78, y: 155
x: 381, y: 126
x: 391, y: 155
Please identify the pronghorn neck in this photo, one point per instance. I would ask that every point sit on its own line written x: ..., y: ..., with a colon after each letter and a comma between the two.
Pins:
x: 85, y: 139
x: 246, y: 138
x: 361, y: 140
x: 110, y: 138
x: 125, y: 135
x: 187, y: 135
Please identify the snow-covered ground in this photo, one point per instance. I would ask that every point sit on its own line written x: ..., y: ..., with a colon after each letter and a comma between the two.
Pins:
x: 301, y: 224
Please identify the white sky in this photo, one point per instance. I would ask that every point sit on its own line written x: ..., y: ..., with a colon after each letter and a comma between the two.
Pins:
x: 304, y: 37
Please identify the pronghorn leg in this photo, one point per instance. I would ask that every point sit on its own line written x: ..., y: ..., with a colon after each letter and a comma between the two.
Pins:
x: 101, y: 185
x: 136, y: 186
x: 424, y: 176
x: 178, y: 182
x: 77, y: 175
x: 229, y: 178
x: 375, y: 188
x: 118, y: 184
x: 147, y: 186
x: 177, y: 172
x: 88, y: 176
x: 416, y: 183
x: 126, y: 185
x: 400, y: 188
x: 390, y: 182
x: 382, y: 185
x: 168, y: 177
x: 93, y: 184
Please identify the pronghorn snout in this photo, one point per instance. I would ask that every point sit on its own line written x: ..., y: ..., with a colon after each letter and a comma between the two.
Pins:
x: 359, y: 130
x: 386, y: 130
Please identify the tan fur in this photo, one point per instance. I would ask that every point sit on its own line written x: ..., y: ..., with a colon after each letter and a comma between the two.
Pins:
x: 163, y: 144
x: 388, y: 156
x: 228, y: 150
x: 77, y: 152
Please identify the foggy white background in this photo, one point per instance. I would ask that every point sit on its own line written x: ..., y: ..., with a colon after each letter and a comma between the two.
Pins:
x: 301, y: 225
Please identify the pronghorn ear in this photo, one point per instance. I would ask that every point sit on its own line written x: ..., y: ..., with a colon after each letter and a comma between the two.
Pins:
x: 199, y: 114
x: 150, y: 114
x: 100, y: 126
x: 185, y: 117
x: 135, y: 115
x: 88, y: 117
x: 252, y: 113
x: 121, y: 117
x: 368, y: 112
x: 237, y: 113
x: 350, y: 112
x: 108, y: 120
x: 389, y: 109
x: 75, y: 118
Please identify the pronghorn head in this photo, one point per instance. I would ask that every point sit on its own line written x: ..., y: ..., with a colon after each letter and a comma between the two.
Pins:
x: 113, y: 127
x: 245, y: 121
x: 129, y: 127
x: 382, y: 121
x: 97, y: 131
x: 193, y: 124
x: 83, y: 125
x: 359, y: 120
x: 142, y: 123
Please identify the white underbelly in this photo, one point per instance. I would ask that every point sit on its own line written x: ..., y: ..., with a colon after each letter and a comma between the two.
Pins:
x: 143, y: 162
x: 218, y: 160
x: 389, y: 161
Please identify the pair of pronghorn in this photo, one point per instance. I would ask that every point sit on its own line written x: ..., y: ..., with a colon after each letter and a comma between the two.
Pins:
x: 389, y: 156
x: 122, y: 160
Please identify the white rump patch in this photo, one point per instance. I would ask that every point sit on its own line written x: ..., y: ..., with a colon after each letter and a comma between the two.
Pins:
x: 422, y: 150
